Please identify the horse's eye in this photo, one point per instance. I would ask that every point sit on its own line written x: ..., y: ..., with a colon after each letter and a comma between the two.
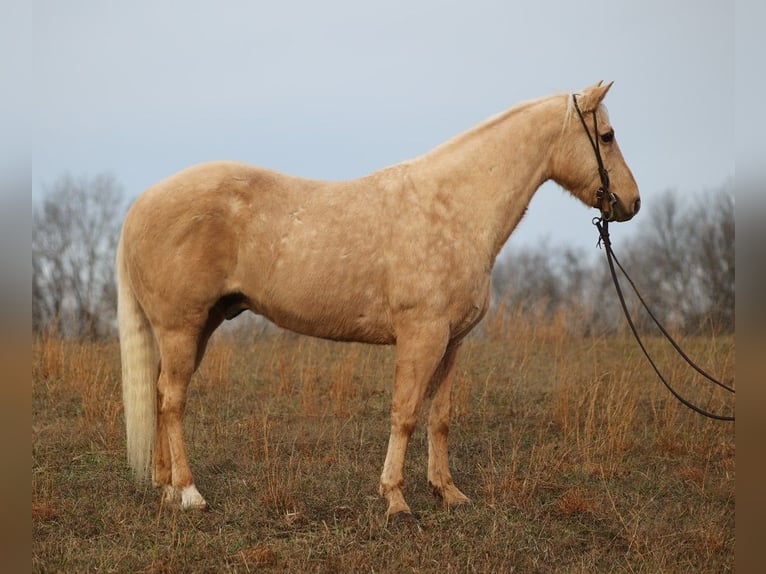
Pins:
x: 608, y: 137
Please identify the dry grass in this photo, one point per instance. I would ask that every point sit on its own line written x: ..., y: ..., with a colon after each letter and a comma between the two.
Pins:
x: 576, y: 458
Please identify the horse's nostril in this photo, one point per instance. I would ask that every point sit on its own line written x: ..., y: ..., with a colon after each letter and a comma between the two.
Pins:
x: 636, y: 206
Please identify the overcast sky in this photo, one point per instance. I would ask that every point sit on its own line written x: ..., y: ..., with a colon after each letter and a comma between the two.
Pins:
x: 336, y: 89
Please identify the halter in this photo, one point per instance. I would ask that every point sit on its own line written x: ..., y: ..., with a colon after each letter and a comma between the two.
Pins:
x: 604, y: 195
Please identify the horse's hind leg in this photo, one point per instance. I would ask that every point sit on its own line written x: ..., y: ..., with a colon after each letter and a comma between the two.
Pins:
x: 169, y: 472
x: 178, y: 351
x: 439, y: 476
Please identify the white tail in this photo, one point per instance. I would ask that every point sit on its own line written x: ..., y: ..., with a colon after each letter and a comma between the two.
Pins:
x: 140, y: 360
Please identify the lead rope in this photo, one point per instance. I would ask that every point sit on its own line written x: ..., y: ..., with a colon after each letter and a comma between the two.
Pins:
x: 603, y: 230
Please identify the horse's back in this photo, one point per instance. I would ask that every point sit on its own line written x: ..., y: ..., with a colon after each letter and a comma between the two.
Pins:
x: 281, y: 242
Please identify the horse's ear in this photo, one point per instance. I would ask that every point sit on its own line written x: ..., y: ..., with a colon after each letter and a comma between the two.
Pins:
x: 591, y: 97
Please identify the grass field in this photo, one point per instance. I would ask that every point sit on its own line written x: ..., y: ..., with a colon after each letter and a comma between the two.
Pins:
x: 575, y: 456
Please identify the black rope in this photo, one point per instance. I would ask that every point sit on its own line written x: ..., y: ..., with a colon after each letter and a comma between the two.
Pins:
x: 603, y: 230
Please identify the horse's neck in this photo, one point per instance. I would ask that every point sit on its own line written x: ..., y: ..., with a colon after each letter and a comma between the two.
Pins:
x: 492, y: 171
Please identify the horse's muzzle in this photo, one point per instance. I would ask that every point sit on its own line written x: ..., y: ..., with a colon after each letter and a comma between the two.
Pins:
x: 619, y: 211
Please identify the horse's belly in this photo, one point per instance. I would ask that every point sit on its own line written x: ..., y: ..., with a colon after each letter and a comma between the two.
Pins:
x: 332, y: 317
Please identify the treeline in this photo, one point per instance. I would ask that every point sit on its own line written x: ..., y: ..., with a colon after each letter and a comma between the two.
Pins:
x: 681, y: 257
x: 75, y: 229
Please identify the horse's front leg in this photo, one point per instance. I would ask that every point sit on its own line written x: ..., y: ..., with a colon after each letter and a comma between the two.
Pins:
x: 419, y: 351
x: 439, y: 476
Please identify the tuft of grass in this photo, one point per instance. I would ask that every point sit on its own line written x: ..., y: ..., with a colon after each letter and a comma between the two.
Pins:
x: 576, y: 458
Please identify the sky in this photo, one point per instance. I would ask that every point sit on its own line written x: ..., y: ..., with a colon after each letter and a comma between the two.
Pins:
x: 337, y: 89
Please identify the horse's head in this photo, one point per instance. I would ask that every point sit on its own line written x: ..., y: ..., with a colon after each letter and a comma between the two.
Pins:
x: 588, y: 162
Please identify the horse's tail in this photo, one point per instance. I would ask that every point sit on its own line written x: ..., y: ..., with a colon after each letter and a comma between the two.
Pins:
x: 140, y: 366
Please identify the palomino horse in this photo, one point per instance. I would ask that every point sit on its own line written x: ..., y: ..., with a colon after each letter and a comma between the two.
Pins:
x: 402, y: 256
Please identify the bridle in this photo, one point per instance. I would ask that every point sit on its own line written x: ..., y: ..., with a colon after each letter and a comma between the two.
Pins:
x: 604, y: 196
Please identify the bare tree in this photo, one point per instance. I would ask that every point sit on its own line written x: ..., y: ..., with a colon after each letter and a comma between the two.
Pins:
x: 681, y: 259
x: 710, y: 227
x: 656, y: 258
x: 547, y: 281
x: 75, y: 229
x: 529, y: 279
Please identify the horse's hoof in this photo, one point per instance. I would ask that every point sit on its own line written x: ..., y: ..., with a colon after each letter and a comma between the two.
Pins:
x: 187, y: 498
x: 201, y: 507
x: 191, y: 499
x: 451, y: 496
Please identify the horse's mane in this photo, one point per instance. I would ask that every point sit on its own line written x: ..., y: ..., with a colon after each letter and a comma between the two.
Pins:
x: 499, y: 117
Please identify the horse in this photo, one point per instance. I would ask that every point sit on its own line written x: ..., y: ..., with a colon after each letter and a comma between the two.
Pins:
x: 402, y: 257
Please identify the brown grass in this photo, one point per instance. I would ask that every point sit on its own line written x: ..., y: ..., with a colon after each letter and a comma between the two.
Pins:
x: 576, y: 458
